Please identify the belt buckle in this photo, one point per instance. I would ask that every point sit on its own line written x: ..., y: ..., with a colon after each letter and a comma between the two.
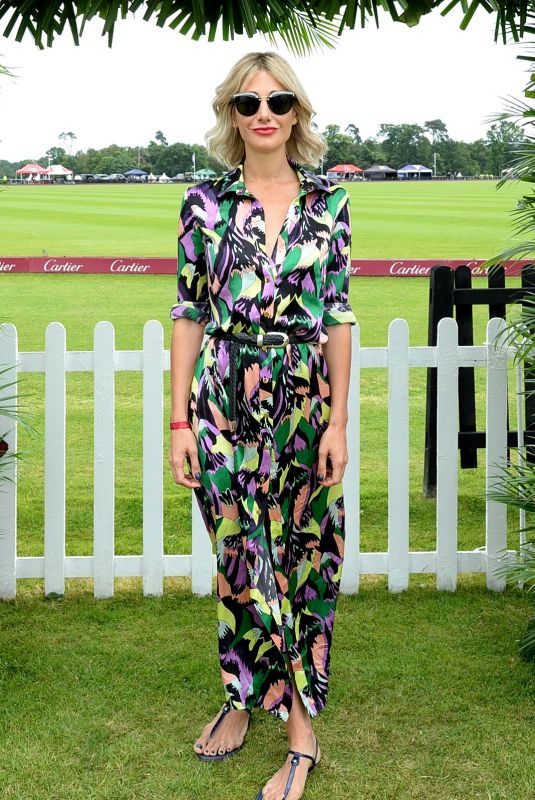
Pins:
x: 264, y: 345
x: 285, y: 339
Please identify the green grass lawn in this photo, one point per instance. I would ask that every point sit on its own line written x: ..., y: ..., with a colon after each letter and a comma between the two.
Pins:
x: 102, y: 700
x: 456, y: 219
x: 79, y: 302
x: 389, y: 220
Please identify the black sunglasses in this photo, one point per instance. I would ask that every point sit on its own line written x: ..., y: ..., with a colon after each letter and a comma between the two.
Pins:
x: 248, y: 103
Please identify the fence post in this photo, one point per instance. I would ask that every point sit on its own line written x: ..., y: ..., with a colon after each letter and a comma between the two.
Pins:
x: 104, y: 460
x: 8, y: 490
x: 201, y: 553
x: 153, y: 458
x: 55, y: 414
x: 398, y: 455
x: 467, y: 392
x: 528, y: 282
x: 447, y: 458
x: 440, y: 306
x: 496, y: 452
x: 350, y: 580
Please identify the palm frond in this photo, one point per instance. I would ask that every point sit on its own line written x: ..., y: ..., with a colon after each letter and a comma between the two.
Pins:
x: 301, y: 24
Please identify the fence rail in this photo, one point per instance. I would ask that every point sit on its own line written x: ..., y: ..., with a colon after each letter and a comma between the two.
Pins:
x: 398, y: 562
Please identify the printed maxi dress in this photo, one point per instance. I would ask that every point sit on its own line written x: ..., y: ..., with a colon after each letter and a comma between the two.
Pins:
x: 278, y: 534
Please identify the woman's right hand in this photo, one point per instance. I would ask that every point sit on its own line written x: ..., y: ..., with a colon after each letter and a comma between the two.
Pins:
x: 183, y: 446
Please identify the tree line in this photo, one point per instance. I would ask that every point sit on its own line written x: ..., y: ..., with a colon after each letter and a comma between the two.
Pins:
x: 394, y: 145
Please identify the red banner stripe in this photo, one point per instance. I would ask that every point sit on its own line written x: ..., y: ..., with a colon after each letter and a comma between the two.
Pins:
x: 76, y: 265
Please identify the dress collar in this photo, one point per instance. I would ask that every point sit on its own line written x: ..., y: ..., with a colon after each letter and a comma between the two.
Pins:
x: 232, y: 181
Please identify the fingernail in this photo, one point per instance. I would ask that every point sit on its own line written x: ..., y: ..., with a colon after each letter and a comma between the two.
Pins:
x: 198, y: 475
x: 321, y: 477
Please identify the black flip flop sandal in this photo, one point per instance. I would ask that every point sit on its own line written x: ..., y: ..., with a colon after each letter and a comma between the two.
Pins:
x: 294, y: 763
x: 220, y: 756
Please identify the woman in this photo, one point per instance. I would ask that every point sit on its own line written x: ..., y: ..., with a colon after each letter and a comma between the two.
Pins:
x: 260, y: 409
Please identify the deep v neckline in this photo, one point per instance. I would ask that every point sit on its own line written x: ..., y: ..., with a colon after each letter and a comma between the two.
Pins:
x: 273, y: 254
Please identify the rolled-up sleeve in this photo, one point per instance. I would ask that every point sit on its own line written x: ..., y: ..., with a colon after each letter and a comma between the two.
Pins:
x: 192, y: 281
x: 336, y: 307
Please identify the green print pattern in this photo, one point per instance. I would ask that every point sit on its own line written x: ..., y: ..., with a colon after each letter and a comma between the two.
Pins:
x: 278, y: 533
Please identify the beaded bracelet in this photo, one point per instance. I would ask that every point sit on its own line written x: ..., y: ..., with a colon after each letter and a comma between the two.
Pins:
x: 182, y: 424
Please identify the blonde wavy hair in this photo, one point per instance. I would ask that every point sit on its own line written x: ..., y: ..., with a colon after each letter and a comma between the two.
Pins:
x: 224, y: 142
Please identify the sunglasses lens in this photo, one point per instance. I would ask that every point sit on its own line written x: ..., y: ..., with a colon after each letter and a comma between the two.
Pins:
x: 281, y: 102
x: 246, y: 104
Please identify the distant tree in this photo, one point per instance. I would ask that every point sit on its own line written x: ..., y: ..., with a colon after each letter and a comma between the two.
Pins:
x: 55, y: 154
x: 160, y: 138
x: 354, y: 132
x: 112, y: 159
x: 405, y: 144
x: 67, y: 138
x: 503, y: 138
x: 340, y: 147
x: 370, y: 152
x: 437, y: 129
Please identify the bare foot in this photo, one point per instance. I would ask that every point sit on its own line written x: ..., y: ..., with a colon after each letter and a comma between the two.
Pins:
x: 229, y: 734
x: 274, y: 788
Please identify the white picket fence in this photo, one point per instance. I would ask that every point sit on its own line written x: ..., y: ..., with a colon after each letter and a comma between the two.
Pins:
x: 446, y: 561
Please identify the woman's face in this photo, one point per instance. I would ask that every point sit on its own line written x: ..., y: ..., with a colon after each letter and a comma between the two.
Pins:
x: 264, y: 131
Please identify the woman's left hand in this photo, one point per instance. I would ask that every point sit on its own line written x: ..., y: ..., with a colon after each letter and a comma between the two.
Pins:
x: 332, y: 455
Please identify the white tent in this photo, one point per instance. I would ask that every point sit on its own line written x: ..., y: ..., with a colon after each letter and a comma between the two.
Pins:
x: 414, y: 171
x: 58, y: 171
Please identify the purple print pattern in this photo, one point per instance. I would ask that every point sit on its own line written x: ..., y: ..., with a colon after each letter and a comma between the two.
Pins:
x: 278, y: 534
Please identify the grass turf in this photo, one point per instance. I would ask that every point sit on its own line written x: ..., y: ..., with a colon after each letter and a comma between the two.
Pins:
x: 455, y: 219
x: 104, y: 699
x: 128, y: 301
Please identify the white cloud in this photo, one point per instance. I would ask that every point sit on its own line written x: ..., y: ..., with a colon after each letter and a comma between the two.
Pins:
x: 157, y: 79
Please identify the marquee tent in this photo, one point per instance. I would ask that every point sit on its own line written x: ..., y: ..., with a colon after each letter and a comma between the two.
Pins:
x: 344, y: 172
x: 58, y: 171
x: 412, y: 171
x: 31, y: 170
x: 380, y: 172
x: 202, y: 174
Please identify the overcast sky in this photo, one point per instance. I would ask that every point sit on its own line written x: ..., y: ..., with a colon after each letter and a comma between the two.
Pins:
x: 155, y: 79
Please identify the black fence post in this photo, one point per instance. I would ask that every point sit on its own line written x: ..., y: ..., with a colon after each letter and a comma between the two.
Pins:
x: 441, y: 287
x: 467, y: 392
x: 528, y: 282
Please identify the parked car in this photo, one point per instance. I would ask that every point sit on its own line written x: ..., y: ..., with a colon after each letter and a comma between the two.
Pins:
x: 116, y: 177
x: 100, y: 177
x: 87, y: 177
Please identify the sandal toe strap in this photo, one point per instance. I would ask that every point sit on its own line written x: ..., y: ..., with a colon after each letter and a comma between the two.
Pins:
x: 296, y: 756
x: 226, y: 708
x: 219, y: 720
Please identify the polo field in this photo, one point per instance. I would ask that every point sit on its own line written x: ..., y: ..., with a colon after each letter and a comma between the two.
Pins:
x: 103, y: 696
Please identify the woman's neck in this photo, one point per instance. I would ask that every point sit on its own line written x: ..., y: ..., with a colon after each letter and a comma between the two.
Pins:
x: 267, y: 168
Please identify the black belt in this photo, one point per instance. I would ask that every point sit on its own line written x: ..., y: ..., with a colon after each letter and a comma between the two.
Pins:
x: 261, y: 340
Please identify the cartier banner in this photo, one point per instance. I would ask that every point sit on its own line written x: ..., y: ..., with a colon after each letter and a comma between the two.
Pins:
x: 78, y: 265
